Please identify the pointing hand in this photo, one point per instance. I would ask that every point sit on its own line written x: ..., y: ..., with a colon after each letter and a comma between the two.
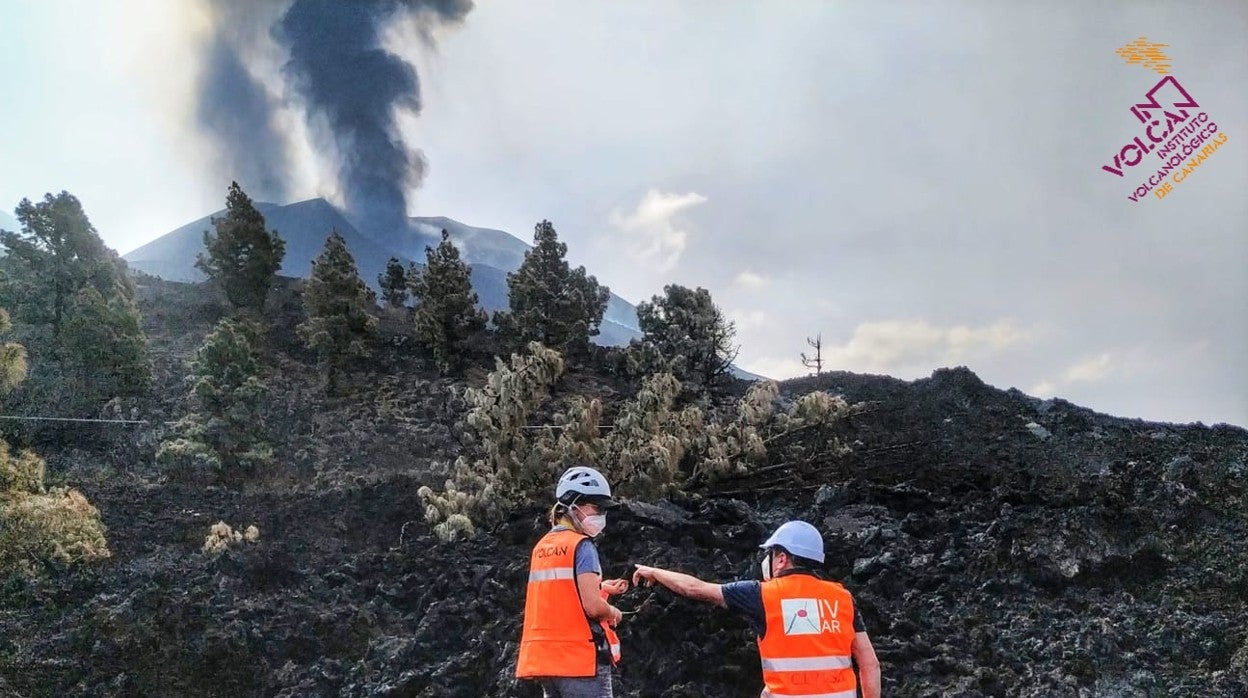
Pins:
x: 643, y: 572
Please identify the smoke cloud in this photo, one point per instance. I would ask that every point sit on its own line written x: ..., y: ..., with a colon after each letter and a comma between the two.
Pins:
x: 237, y: 111
x: 348, y: 87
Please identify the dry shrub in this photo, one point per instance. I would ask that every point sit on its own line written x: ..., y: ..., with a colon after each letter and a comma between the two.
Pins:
x: 60, y: 526
x: 652, y: 450
x: 507, y: 468
x: 39, y: 526
x: 222, y: 536
x: 22, y: 473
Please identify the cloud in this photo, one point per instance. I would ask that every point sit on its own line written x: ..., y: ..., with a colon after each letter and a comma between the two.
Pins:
x: 1091, y: 370
x: 776, y: 368
x: 746, y: 320
x: 914, y: 347
x: 901, y: 348
x: 656, y: 238
x: 750, y: 281
x: 1044, y: 389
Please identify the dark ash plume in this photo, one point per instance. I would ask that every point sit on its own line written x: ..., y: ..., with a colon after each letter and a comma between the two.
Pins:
x: 346, y: 82
x: 338, y: 67
x: 238, y: 113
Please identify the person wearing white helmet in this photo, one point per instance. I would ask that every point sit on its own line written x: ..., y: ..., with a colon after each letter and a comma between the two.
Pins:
x: 810, y: 634
x: 568, y: 643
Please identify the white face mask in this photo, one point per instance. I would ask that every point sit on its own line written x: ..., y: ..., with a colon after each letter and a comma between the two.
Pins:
x: 592, y: 525
x: 765, y: 565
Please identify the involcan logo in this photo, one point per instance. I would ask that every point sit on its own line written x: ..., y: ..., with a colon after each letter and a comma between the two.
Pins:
x: 810, y: 616
x: 1172, y: 128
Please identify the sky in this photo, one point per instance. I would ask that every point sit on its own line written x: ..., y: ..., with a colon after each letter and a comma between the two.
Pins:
x: 919, y: 183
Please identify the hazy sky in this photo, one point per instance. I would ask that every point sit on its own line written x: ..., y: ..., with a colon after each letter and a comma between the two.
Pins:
x: 919, y: 182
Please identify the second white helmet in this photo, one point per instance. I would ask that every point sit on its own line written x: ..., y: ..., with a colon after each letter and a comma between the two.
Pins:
x: 583, y: 483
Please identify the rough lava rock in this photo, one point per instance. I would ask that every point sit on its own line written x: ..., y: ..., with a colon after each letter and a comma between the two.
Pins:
x: 1104, y: 560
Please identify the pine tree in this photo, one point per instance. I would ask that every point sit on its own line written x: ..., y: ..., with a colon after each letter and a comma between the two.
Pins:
x: 393, y: 283
x: 105, y: 349
x: 243, y: 256
x: 686, y: 334
x: 224, y: 431
x: 55, y: 255
x: 446, y: 311
x: 549, y: 302
x: 75, y: 300
x: 338, y: 304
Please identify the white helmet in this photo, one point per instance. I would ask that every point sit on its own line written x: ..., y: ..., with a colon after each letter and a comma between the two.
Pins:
x: 581, y: 482
x: 798, y: 538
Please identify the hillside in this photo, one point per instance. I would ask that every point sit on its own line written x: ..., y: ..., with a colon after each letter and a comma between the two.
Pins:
x: 305, y: 225
x: 997, y: 545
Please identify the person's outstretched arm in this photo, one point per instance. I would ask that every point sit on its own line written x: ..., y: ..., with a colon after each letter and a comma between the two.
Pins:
x: 683, y: 584
x: 868, y: 665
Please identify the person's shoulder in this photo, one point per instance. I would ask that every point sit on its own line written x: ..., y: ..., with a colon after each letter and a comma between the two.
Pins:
x: 565, y: 532
x: 586, y: 543
x: 837, y: 584
x: 840, y: 588
x: 585, y: 548
x: 742, y: 587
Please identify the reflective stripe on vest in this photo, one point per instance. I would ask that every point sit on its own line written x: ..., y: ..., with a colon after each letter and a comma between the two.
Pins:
x: 807, y: 646
x: 852, y: 693
x: 552, y: 574
x: 556, y: 639
x: 807, y: 663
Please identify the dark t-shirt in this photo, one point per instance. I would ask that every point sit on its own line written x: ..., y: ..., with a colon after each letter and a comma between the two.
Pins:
x: 746, y: 597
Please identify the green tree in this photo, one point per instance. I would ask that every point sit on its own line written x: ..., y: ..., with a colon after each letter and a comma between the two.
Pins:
x: 685, y: 333
x: 550, y: 302
x: 393, y: 282
x: 224, y: 430
x: 446, y: 311
x: 75, y: 304
x: 243, y: 256
x: 340, y: 324
x: 105, y: 349
x: 55, y: 255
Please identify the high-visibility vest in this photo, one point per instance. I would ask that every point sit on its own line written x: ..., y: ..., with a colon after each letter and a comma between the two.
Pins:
x: 613, y: 640
x: 806, y: 648
x: 556, y: 639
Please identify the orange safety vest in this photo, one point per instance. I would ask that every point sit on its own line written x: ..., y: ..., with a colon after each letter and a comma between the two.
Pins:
x: 612, y: 638
x: 807, y: 647
x: 556, y: 640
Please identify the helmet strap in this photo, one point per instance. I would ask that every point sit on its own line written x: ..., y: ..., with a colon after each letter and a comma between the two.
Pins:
x: 576, y: 522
